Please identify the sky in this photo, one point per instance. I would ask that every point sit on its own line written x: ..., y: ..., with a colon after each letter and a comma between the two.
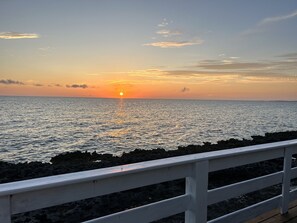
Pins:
x: 175, y: 49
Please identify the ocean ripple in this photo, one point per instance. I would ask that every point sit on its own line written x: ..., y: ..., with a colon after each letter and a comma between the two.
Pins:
x: 35, y: 128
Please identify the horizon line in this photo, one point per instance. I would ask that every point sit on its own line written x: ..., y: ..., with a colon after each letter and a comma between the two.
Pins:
x: 126, y: 98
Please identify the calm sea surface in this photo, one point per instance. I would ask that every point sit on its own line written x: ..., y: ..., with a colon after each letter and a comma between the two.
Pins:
x: 36, y: 128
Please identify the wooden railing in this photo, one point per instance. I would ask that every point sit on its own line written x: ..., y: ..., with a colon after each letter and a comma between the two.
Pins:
x: 28, y: 195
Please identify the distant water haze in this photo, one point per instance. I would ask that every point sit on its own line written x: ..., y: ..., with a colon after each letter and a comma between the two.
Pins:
x: 38, y: 128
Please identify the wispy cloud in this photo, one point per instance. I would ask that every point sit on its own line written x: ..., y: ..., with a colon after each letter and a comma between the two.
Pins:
x: 83, y: 86
x: 271, y: 65
x: 17, y: 35
x: 38, y: 85
x: 269, y: 20
x: 289, y: 55
x: 164, y: 23
x: 174, y: 37
x: 10, y: 82
x: 168, y: 33
x: 222, y: 71
x: 238, y: 76
x: 185, y: 89
x: 174, y: 44
x: 277, y: 18
x: 200, y: 77
x: 231, y: 65
x: 54, y: 85
x: 47, y: 48
x: 122, y: 84
x: 282, y: 69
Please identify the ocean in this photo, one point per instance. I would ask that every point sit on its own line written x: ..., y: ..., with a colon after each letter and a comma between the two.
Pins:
x: 38, y: 128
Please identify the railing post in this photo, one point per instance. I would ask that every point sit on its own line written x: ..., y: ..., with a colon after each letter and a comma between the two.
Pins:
x: 196, y: 186
x: 5, y: 213
x: 286, y: 180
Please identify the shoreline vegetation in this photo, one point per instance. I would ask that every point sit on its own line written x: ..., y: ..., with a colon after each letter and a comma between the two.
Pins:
x: 107, y: 204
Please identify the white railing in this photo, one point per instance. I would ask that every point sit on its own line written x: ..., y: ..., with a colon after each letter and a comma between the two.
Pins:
x: 28, y: 195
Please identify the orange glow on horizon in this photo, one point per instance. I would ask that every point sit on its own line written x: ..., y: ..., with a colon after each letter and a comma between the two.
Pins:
x: 285, y: 90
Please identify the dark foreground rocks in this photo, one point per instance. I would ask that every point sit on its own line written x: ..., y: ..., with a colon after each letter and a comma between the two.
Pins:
x: 91, y: 208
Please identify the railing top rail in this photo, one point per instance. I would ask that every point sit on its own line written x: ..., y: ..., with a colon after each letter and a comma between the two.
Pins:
x: 84, y: 176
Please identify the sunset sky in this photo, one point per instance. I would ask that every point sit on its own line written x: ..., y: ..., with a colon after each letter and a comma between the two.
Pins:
x: 184, y: 49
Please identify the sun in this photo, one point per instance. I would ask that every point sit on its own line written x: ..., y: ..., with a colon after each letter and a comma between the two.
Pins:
x: 121, y: 94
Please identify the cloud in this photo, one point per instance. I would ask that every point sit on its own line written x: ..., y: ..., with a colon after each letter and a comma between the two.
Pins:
x: 231, y: 65
x: 168, y: 33
x: 174, y: 44
x: 47, y: 48
x: 260, y: 25
x: 282, y: 68
x: 238, y: 70
x: 164, y: 23
x: 272, y: 65
x: 165, y: 32
x: 200, y: 76
x: 289, y: 55
x: 55, y: 85
x: 83, y: 86
x: 122, y: 84
x: 38, y: 85
x: 192, y: 73
x: 17, y: 35
x: 8, y: 82
x: 277, y: 18
x: 185, y: 89
x: 209, y: 76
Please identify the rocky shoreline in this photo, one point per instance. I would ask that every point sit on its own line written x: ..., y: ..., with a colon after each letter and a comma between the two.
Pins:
x: 91, y: 208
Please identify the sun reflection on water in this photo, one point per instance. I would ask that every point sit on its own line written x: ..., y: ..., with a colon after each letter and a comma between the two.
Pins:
x: 121, y: 125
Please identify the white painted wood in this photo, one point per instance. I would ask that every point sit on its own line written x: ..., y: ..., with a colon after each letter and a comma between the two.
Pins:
x: 83, y: 176
x: 293, y: 195
x: 5, y: 214
x: 196, y: 187
x: 294, y: 149
x: 286, y: 180
x: 44, y: 192
x: 86, y: 176
x: 294, y: 173
x: 148, y: 213
x: 37, y: 199
x: 244, y: 187
x: 243, y: 159
x: 249, y: 212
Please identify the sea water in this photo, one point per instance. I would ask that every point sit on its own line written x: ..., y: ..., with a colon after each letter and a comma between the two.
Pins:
x: 38, y: 128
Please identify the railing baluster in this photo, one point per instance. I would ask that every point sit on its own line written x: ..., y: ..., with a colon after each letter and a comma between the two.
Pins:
x: 196, y: 186
x: 5, y: 213
x: 286, y: 180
